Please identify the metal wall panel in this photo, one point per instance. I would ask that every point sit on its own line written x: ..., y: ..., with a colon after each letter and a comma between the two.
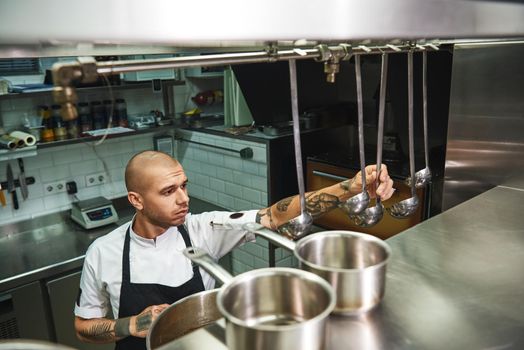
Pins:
x: 485, y: 145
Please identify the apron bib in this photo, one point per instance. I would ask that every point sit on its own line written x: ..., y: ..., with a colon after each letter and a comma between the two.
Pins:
x: 135, y: 297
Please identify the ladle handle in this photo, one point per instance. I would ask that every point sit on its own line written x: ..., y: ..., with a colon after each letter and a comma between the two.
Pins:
x: 360, y: 107
x: 200, y: 257
x: 381, y: 112
x: 296, y: 134
x: 410, y: 123
x: 271, y: 236
x: 425, y: 103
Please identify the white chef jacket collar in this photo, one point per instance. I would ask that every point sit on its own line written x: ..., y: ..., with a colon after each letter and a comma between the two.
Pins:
x: 150, y: 242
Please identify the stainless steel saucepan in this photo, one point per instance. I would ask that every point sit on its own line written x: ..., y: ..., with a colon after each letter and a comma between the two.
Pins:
x: 271, y: 308
x: 353, y: 263
x: 182, y: 317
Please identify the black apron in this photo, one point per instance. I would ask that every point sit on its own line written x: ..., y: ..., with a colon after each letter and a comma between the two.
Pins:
x: 135, y: 297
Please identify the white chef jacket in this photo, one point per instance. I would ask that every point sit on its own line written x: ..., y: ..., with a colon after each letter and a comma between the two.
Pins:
x: 158, y: 261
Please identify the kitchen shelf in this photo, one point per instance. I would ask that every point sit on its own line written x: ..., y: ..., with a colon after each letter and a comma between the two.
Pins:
x: 123, y: 86
x: 85, y: 139
x: 24, y: 152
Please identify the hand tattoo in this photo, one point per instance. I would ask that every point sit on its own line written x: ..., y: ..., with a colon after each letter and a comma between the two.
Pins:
x: 143, y: 322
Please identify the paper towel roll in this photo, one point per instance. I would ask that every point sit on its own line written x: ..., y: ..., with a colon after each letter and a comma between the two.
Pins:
x: 28, y: 139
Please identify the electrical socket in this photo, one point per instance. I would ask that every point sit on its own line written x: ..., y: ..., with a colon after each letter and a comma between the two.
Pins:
x: 55, y: 187
x: 96, y: 179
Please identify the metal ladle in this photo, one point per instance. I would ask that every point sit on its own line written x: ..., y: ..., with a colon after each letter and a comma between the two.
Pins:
x: 423, y: 176
x: 359, y: 202
x: 407, y: 207
x: 301, y: 225
x: 372, y: 215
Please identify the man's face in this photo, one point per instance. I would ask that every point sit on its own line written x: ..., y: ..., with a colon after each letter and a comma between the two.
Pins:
x: 165, y: 199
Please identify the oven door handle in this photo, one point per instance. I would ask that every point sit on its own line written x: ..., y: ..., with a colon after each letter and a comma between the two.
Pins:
x: 329, y: 176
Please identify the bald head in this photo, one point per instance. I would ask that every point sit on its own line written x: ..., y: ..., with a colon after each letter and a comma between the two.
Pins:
x: 142, y: 166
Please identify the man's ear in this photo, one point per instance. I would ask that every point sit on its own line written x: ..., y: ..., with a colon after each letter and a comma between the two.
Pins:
x: 136, y: 200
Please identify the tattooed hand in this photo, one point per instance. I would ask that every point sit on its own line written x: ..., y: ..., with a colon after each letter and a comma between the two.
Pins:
x: 385, y: 190
x: 140, y: 323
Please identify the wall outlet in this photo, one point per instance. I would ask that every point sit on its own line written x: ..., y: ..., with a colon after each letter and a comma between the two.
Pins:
x: 96, y: 179
x: 55, y: 187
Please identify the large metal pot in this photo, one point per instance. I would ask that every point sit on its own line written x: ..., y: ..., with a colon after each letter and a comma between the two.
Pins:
x: 182, y: 317
x: 271, y: 308
x: 353, y: 263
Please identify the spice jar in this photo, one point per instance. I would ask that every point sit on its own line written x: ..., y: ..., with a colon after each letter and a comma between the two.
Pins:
x: 59, y: 126
x: 109, y: 113
x: 47, y: 134
x: 98, y: 115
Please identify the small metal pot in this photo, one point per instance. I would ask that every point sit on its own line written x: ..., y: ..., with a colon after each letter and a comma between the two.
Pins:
x: 27, y: 344
x: 182, y: 317
x: 353, y: 263
x: 271, y: 308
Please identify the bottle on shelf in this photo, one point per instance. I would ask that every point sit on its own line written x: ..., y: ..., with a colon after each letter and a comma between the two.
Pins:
x: 84, y: 116
x: 109, y: 111
x: 120, y: 115
x: 98, y: 115
x: 47, y: 134
x: 59, y: 126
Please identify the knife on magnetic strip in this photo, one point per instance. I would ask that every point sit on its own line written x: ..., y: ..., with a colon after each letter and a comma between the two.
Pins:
x: 21, y: 179
x: 11, y: 186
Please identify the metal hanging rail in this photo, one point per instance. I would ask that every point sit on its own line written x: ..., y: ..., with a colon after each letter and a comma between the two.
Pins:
x: 87, y: 70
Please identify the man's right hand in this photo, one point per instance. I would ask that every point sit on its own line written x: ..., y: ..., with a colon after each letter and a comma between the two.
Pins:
x: 140, y: 323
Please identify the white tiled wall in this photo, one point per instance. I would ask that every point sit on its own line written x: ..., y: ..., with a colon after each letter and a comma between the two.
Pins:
x: 223, y: 178
x: 72, y: 163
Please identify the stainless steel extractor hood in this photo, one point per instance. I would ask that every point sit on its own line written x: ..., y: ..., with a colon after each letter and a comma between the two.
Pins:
x: 231, y: 23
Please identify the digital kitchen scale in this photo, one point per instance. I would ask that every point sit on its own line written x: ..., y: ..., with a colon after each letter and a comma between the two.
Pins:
x: 95, y: 212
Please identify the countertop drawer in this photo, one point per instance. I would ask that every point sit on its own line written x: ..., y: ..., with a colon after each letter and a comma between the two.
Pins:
x: 320, y: 175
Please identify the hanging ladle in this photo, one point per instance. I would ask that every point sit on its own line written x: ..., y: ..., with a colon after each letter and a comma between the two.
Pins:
x: 423, y: 176
x: 372, y: 215
x: 407, y: 207
x: 359, y: 202
x: 301, y: 225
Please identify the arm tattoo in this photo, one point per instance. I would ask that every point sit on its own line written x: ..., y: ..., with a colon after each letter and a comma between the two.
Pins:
x: 100, y: 331
x: 122, y: 327
x: 318, y: 204
x: 346, y: 185
x: 283, y: 204
x: 143, y: 321
x: 267, y: 213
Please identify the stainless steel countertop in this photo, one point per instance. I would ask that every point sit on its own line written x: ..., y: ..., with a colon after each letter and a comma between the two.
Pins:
x: 49, y: 245
x: 46, y: 246
x: 455, y: 281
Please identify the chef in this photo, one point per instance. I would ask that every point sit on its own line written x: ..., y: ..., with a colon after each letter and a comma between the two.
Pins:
x: 139, y: 269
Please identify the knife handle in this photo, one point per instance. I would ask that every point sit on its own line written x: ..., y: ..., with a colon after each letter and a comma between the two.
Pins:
x: 2, y: 198
x: 15, y: 200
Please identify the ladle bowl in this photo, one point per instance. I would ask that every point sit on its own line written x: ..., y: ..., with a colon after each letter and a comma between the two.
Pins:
x: 356, y: 204
x: 298, y: 227
x: 405, y: 208
x: 369, y: 217
x: 422, y: 178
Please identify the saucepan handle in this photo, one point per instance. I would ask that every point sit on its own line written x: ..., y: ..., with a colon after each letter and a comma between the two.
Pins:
x: 271, y: 236
x: 200, y: 257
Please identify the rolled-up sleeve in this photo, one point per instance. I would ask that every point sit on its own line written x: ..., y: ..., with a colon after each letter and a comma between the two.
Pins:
x: 92, y: 300
x: 219, y: 232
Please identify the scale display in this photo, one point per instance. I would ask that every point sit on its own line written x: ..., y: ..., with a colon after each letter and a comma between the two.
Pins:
x: 100, y: 214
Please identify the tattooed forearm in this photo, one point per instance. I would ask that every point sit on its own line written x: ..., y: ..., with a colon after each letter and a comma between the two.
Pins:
x: 283, y: 204
x: 144, y: 321
x: 122, y: 327
x: 318, y: 204
x: 100, y: 331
